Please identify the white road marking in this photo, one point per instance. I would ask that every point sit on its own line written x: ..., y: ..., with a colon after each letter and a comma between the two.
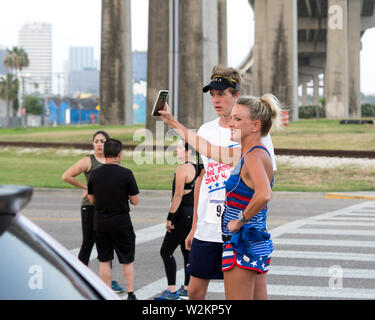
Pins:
x: 324, y: 243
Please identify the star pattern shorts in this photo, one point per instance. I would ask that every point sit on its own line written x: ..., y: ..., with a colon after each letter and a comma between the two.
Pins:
x: 231, y: 258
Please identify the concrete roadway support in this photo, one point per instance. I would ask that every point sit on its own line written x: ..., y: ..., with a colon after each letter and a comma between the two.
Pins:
x: 343, y: 59
x: 191, y: 64
x: 276, y: 53
x: 116, y: 79
x: 337, y: 60
x: 157, y: 55
x: 354, y: 48
x: 222, y: 27
x: 198, y: 53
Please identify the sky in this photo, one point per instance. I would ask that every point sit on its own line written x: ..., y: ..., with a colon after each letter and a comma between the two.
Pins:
x: 77, y: 23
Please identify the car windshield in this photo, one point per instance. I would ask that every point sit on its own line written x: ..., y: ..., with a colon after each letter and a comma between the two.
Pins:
x: 30, y: 269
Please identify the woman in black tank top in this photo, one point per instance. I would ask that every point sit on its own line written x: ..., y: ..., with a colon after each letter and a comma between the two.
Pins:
x: 179, y: 221
x: 86, y: 165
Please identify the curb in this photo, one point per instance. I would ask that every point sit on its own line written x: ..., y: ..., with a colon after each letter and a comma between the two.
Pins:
x: 348, y: 196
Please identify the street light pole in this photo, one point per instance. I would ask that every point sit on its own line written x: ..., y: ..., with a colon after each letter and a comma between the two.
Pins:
x: 174, y: 8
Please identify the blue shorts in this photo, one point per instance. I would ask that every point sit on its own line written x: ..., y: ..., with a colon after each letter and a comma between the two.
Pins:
x: 232, y: 258
x: 205, y: 260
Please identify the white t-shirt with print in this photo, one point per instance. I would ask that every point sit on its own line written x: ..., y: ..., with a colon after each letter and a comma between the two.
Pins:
x: 212, y: 190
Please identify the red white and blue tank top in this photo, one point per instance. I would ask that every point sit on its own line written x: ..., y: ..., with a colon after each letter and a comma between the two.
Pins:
x: 238, y: 196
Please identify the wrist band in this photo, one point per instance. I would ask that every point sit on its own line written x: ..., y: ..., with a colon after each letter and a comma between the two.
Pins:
x: 171, y: 216
x: 242, y: 219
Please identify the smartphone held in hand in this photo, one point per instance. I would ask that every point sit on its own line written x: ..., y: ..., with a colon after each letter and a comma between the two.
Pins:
x: 159, y: 103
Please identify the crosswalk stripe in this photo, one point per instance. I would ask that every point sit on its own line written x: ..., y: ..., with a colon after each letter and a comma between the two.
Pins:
x: 343, y: 223
x: 359, y: 215
x: 347, y: 219
x: 320, y: 272
x: 333, y: 232
x: 309, y: 291
x: 323, y: 255
x: 325, y: 243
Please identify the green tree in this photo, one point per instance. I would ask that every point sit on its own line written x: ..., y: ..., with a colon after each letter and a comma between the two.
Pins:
x: 8, y: 92
x: 32, y: 105
x: 16, y: 59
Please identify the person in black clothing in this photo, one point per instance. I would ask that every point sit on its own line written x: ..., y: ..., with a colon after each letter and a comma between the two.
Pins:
x: 110, y: 188
x: 179, y: 221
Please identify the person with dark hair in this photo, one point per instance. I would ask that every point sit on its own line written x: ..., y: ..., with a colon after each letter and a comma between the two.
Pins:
x: 179, y: 220
x: 86, y: 165
x: 110, y: 188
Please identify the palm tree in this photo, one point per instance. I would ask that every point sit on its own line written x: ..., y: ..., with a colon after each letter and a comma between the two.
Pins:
x: 16, y: 59
x: 8, y: 92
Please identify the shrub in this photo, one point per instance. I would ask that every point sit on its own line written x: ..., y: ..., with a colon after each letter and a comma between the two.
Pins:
x: 308, y: 112
x: 33, y: 105
x: 368, y: 110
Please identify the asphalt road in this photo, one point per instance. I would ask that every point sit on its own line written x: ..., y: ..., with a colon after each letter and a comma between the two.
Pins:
x: 324, y: 248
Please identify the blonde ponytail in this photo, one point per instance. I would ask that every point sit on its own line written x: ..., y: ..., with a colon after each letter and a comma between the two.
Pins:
x: 266, y: 109
x: 275, y: 109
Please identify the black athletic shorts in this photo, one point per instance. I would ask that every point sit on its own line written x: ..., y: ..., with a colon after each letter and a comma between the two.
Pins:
x: 122, y: 242
x: 205, y: 259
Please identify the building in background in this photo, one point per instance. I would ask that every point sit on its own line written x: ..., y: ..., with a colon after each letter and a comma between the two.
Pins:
x: 84, y: 81
x: 3, y: 51
x: 81, y: 72
x: 139, y: 86
x: 81, y: 58
x: 36, y: 39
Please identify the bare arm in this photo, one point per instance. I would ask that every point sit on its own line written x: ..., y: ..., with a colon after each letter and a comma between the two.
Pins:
x: 79, y: 167
x: 134, y: 200
x: 221, y: 154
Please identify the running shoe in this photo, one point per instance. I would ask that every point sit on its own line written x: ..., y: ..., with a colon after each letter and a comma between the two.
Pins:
x: 116, y: 287
x: 167, y: 295
x: 131, y: 296
x: 183, y: 293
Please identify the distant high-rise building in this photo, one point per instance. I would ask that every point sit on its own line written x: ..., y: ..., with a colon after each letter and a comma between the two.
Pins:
x: 139, y: 66
x: 82, y: 75
x: 81, y: 58
x: 3, y: 51
x: 36, y: 40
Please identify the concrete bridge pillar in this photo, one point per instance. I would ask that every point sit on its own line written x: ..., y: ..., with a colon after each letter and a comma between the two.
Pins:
x: 198, y: 52
x: 275, y: 52
x: 354, y: 48
x: 337, y: 60
x: 116, y: 77
x: 343, y: 60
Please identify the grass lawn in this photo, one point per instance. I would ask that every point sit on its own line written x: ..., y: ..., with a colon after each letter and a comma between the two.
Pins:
x: 325, y: 134
x: 44, y: 167
x: 304, y: 134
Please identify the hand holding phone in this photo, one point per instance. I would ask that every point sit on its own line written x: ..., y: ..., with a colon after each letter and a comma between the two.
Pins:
x: 159, y: 103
